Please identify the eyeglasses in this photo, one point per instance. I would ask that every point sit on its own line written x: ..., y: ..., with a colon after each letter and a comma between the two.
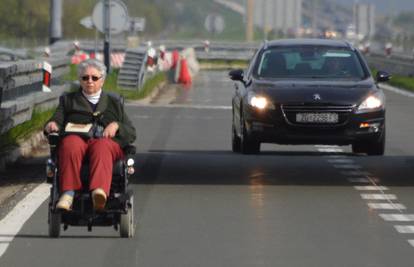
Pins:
x: 94, y: 78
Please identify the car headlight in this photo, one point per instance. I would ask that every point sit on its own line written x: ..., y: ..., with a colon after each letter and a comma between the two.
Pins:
x: 373, y: 102
x: 259, y: 102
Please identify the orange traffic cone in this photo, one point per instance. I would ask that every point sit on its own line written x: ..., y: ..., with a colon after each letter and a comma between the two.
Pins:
x: 185, y: 77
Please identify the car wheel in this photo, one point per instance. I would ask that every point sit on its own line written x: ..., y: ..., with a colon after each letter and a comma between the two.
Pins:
x: 235, y: 139
x: 248, y: 145
x: 371, y: 148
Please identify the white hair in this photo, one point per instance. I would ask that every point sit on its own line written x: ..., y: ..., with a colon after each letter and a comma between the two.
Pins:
x: 92, y: 63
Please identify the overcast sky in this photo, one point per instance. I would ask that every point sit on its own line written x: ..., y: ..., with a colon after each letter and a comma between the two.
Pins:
x: 385, y: 6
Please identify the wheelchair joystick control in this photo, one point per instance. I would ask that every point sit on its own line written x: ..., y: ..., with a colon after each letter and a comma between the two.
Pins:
x: 130, y: 166
x: 50, y: 167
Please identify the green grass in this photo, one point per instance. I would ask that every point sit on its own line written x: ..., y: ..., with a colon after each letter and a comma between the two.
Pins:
x: 402, y: 82
x: 149, y: 85
x: 22, y: 131
x: 223, y: 64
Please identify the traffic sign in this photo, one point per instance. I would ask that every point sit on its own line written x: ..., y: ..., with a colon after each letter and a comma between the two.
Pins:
x: 214, y: 23
x: 118, y: 16
x: 87, y: 22
x: 135, y: 24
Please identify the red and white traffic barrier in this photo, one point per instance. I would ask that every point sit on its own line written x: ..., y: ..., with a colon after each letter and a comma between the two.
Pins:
x: 47, y: 77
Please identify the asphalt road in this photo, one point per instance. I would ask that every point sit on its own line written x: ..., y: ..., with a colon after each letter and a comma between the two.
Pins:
x: 198, y: 204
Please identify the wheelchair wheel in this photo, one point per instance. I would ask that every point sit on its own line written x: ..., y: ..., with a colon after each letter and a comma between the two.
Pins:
x: 126, y: 223
x: 55, y: 220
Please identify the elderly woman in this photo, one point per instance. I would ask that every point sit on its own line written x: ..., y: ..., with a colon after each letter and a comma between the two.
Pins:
x: 112, y: 131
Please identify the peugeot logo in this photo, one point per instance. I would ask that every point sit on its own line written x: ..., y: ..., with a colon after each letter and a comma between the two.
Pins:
x: 316, y: 97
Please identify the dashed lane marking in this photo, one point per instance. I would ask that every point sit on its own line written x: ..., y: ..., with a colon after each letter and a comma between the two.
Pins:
x: 389, y: 217
x: 379, y: 196
x: 386, y: 206
x: 405, y: 229
x: 370, y: 187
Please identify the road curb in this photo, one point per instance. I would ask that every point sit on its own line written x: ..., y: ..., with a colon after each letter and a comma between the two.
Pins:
x: 24, y: 148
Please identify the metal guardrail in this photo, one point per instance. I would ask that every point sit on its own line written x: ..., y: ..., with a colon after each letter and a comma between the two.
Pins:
x: 391, y: 64
x: 21, y: 89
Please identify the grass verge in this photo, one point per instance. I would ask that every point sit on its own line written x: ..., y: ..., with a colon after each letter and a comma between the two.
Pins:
x: 402, y: 82
x: 219, y: 64
x: 22, y: 131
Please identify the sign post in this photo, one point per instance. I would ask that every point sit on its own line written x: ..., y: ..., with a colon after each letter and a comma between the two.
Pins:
x: 109, y: 17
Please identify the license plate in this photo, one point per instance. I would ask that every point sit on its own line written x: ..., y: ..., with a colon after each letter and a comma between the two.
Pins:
x: 317, y: 117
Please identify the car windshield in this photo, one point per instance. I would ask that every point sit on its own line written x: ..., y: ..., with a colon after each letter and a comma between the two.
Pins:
x: 313, y: 62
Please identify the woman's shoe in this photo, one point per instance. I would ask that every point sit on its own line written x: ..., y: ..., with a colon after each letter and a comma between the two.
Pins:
x: 65, y: 202
x: 98, y: 199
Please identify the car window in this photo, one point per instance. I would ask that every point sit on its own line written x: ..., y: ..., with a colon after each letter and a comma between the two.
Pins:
x: 310, y: 62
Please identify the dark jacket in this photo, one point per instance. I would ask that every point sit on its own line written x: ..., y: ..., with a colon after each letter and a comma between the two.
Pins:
x: 74, y: 107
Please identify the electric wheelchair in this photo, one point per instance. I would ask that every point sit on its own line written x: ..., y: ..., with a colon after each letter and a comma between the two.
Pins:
x: 119, y: 209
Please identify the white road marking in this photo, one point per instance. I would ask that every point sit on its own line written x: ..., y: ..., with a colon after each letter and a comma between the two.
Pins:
x: 411, y: 242
x: 15, y: 219
x: 370, y: 187
x: 389, y: 217
x: 397, y: 90
x: 379, y: 196
x: 386, y: 206
x: 404, y: 229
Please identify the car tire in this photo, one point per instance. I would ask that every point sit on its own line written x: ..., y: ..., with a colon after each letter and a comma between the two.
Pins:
x: 248, y: 145
x: 371, y: 148
x: 235, y: 140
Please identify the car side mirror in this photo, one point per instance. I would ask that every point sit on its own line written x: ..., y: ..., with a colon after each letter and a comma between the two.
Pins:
x: 383, y: 76
x: 237, y: 75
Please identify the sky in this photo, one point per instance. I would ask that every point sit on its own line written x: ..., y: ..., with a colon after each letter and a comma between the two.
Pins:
x: 385, y: 6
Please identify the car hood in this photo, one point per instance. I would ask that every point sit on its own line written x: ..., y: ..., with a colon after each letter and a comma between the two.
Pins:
x: 329, y: 92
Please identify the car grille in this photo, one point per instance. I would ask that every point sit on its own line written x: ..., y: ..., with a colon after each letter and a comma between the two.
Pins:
x: 343, y: 111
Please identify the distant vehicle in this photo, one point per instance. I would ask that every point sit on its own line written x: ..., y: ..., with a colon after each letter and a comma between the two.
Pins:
x: 308, y: 91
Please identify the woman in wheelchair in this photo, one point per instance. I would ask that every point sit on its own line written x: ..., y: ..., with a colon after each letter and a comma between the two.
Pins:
x: 93, y: 124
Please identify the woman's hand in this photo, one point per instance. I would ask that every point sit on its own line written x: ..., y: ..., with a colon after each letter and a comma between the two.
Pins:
x: 51, y: 127
x: 110, y: 130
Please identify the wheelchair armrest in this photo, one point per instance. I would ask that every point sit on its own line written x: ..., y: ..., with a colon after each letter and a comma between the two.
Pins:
x: 130, y: 150
x: 53, y: 138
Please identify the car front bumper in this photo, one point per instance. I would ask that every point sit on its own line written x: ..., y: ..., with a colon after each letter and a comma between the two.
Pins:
x: 273, y: 126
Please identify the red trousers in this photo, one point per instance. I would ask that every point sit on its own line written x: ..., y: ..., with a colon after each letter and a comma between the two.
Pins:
x: 101, y: 152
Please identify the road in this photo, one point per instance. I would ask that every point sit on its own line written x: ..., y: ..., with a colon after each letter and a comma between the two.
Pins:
x: 198, y: 204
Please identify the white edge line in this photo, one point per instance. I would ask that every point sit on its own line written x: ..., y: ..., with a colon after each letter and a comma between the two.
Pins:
x: 17, y: 217
x: 397, y: 90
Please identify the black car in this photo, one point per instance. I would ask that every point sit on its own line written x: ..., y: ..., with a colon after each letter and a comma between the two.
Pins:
x: 308, y: 91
